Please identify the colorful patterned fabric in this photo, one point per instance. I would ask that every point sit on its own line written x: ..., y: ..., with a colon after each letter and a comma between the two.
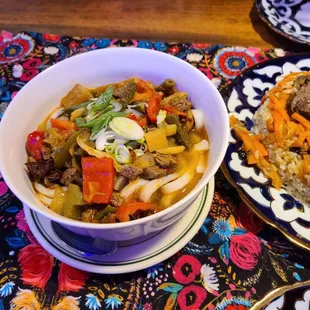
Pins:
x: 232, y: 262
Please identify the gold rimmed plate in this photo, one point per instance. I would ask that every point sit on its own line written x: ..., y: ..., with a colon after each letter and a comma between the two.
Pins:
x: 290, y: 297
x: 277, y: 208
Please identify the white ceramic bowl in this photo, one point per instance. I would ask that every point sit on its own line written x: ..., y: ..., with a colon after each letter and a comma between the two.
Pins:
x: 42, y: 94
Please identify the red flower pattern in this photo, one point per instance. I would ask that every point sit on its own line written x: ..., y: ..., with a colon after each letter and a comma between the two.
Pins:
x: 186, y: 269
x: 70, y: 279
x: 32, y: 63
x: 244, y: 250
x: 191, y: 297
x: 29, y: 74
x: 36, y: 265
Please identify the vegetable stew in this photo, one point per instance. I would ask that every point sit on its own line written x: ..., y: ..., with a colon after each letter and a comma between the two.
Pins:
x: 118, y: 152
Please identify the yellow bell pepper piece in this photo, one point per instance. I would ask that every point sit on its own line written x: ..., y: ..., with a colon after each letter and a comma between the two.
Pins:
x: 77, y: 113
x: 156, y: 139
x: 170, y: 129
x: 58, y: 201
x: 172, y: 150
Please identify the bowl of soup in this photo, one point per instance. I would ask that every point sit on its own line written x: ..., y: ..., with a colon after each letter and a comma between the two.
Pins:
x: 114, y: 143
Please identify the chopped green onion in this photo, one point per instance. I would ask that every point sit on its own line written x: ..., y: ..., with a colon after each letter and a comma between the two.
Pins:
x: 110, y: 148
x: 103, y: 100
x: 82, y: 105
x: 98, y: 119
x: 80, y: 122
x: 92, y: 116
x: 103, y: 138
x: 122, y: 154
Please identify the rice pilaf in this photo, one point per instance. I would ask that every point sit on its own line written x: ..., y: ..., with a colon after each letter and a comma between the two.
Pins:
x: 280, y: 141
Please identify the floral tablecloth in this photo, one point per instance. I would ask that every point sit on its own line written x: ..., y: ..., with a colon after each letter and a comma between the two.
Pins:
x: 232, y: 262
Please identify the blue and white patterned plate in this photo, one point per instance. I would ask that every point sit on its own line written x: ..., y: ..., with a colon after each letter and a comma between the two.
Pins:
x: 277, y: 208
x: 290, y: 297
x: 290, y: 18
x: 296, y: 299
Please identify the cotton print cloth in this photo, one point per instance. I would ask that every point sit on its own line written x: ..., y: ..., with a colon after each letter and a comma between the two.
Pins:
x: 232, y: 262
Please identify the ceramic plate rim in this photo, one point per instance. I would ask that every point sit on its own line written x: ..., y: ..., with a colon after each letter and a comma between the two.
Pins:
x: 262, y: 16
x: 294, y: 239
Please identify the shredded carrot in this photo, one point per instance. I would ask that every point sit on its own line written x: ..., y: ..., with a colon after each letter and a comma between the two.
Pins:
x: 233, y: 120
x: 297, y: 143
x: 262, y: 150
x: 251, y: 143
x: 275, y: 180
x: 291, y: 129
x: 270, y: 172
x: 269, y: 124
x: 302, y: 120
x: 251, y: 159
x: 283, y: 114
x: 278, y: 126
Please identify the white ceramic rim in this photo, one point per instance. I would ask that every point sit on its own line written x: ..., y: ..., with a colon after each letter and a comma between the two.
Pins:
x: 132, y: 267
x: 197, y: 189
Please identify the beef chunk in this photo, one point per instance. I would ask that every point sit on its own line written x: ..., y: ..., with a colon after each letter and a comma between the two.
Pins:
x: 154, y: 172
x: 131, y: 172
x: 146, y: 160
x: 165, y: 160
x: 40, y: 169
x: 300, y: 101
x: 125, y: 93
x: 71, y: 175
x: 110, y: 218
x: 46, y: 152
x: 181, y: 104
x: 88, y: 215
x: 52, y: 178
x: 301, y: 80
x: 116, y: 200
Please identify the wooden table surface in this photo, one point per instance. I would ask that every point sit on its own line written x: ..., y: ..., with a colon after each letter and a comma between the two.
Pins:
x: 234, y: 22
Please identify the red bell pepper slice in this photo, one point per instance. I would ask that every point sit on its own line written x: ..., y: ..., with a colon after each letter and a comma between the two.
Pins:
x: 63, y: 124
x: 98, y: 179
x: 140, y: 120
x: 153, y: 107
x: 123, y: 212
x: 34, y: 144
